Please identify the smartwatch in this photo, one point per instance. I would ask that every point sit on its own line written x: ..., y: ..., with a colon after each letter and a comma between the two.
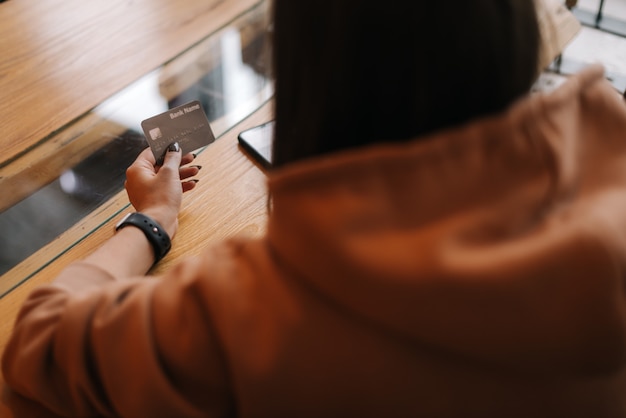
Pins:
x: 155, y: 233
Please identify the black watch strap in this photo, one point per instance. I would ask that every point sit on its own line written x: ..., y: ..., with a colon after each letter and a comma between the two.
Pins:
x: 155, y: 233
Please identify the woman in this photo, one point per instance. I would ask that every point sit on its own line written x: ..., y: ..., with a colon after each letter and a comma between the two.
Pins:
x: 441, y: 244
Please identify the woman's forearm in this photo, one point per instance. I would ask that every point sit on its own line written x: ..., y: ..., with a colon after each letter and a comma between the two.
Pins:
x: 126, y: 254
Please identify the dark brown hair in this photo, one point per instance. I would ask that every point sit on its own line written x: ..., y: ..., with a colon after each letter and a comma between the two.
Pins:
x: 356, y: 72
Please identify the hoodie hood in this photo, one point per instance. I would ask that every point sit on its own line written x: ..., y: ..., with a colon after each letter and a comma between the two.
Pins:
x: 501, y: 240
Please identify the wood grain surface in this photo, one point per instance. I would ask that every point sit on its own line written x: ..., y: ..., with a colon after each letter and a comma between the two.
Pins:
x: 61, y: 58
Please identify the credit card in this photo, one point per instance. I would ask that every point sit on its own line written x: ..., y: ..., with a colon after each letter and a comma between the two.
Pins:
x: 186, y: 124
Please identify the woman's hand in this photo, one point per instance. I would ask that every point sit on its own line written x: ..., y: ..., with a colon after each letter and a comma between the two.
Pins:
x: 157, y: 190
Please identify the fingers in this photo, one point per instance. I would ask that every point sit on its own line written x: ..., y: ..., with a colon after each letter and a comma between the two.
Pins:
x: 173, y: 157
x: 174, y: 160
x: 187, y: 158
x: 145, y: 160
x: 147, y: 155
x: 185, y: 173
x: 184, y: 160
x: 189, y: 185
x: 189, y: 171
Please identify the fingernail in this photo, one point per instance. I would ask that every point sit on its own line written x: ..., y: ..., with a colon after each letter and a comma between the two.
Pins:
x: 194, y: 155
x: 199, y: 167
x: 194, y: 180
x: 174, y: 147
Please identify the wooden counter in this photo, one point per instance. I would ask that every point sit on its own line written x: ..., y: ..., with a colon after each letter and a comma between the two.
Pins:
x: 60, y: 58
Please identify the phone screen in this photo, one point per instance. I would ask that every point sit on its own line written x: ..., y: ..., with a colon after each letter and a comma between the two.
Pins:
x: 257, y: 142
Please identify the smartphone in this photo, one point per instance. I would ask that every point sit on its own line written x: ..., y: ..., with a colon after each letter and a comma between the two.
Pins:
x: 257, y: 142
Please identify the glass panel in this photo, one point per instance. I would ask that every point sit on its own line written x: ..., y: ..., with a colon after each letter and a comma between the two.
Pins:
x: 608, y: 15
x: 610, y: 8
x: 589, y: 5
x: 227, y: 72
x: 615, y: 8
x: 595, y: 46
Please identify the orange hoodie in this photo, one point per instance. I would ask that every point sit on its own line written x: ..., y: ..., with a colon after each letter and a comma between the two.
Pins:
x: 477, y: 272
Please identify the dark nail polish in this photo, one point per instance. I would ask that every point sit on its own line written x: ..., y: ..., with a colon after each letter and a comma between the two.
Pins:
x: 174, y: 147
x: 199, y: 167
